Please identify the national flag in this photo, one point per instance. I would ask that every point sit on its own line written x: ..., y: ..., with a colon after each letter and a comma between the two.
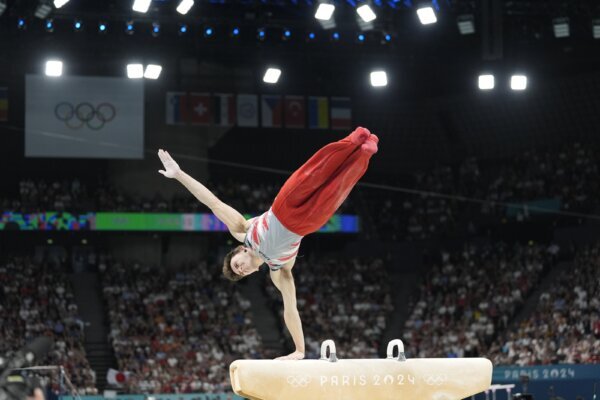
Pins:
x: 341, y: 113
x: 295, y: 112
x: 200, y: 109
x: 318, y: 112
x: 247, y: 110
x: 3, y: 104
x: 272, y: 111
x: 178, y: 108
x: 223, y: 109
x: 117, y: 378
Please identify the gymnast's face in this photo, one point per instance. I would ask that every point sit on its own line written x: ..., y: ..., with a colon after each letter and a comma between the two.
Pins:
x: 242, y: 263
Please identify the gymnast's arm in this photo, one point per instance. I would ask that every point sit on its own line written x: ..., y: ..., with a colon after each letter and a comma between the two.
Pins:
x: 236, y: 223
x: 284, y: 281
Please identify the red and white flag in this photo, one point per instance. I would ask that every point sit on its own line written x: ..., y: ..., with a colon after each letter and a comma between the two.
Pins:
x: 116, y: 378
x: 224, y: 109
x: 295, y: 111
x: 200, y: 109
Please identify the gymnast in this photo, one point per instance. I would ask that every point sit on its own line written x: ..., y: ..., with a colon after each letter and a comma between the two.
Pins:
x: 305, y: 203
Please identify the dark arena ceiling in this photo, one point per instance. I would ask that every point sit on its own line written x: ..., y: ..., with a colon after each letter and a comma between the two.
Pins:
x: 509, y: 35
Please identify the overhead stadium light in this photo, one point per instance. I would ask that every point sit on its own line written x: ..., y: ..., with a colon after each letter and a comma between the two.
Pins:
x: 596, y: 28
x: 325, y: 11
x: 466, y: 24
x: 49, y: 25
x: 135, y: 71
x: 379, y: 79
x: 426, y: 15
x: 152, y: 71
x: 54, y: 68
x: 43, y: 9
x: 518, y: 82
x: 562, y: 28
x: 486, y: 82
x: 60, y: 3
x: 261, y: 34
x: 366, y: 13
x: 185, y: 6
x: 272, y: 75
x: 155, y: 29
x: 129, y: 28
x: 141, y: 6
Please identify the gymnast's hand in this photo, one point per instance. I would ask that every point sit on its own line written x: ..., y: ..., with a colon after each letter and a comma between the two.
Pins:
x: 297, y: 355
x: 171, y: 167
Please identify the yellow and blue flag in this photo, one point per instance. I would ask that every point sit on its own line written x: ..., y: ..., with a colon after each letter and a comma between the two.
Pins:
x: 318, y: 113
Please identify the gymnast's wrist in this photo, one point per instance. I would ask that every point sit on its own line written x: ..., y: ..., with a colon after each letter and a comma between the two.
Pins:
x: 178, y: 174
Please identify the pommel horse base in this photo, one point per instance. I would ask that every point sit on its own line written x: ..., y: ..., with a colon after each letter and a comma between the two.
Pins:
x: 360, y: 379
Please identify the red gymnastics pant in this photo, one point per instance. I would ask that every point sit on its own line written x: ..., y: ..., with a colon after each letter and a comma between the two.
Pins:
x: 313, y: 193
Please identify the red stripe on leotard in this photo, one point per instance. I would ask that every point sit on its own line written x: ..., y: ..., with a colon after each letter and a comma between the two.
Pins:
x: 255, y: 237
x: 288, y: 257
x: 265, y: 224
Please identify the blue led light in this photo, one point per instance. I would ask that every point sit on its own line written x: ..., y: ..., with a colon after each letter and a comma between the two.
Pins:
x: 361, y: 38
x: 388, y: 38
x: 77, y: 25
x: 208, y: 31
x: 49, y: 25
x: 21, y: 23
x: 129, y: 27
x: 287, y: 33
x: 336, y: 36
x: 311, y: 35
x: 102, y: 27
x: 261, y: 34
x: 183, y: 29
x: 235, y: 32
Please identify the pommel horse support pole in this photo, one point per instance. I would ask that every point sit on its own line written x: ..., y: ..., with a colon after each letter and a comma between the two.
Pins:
x: 357, y: 379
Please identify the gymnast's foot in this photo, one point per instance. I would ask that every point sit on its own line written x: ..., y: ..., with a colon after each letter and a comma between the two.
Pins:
x: 359, y: 136
x: 370, y: 145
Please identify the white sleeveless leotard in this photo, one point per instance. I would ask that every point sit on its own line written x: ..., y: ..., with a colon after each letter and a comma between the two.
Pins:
x: 272, y: 241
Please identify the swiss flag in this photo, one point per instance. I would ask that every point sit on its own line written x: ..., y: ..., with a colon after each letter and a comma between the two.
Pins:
x: 295, y: 111
x: 200, y: 109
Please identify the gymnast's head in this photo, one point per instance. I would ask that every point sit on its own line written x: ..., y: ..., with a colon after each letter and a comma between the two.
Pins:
x: 239, y: 263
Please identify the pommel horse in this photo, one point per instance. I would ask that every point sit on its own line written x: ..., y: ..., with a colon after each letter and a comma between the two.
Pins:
x: 330, y: 378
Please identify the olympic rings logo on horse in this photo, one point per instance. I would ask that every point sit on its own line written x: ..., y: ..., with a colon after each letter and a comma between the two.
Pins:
x: 298, y: 380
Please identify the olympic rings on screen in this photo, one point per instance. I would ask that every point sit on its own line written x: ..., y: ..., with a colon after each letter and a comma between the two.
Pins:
x: 76, y: 116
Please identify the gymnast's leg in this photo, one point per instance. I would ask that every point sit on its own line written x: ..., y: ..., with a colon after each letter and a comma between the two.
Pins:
x: 316, y: 190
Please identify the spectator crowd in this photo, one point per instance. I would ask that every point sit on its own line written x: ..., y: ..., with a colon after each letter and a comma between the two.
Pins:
x: 565, y: 326
x: 36, y: 299
x: 470, y: 296
x: 176, y: 330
